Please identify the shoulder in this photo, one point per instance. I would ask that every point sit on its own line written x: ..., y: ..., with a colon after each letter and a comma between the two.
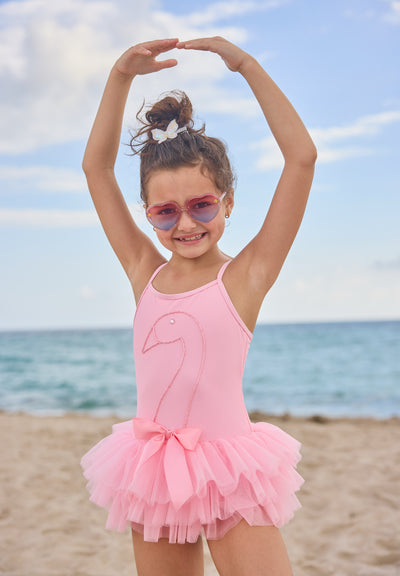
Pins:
x: 245, y: 288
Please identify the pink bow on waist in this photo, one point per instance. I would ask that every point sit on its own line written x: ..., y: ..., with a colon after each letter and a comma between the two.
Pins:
x: 175, y: 466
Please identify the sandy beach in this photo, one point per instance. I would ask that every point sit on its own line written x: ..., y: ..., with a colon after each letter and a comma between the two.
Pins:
x: 348, y: 526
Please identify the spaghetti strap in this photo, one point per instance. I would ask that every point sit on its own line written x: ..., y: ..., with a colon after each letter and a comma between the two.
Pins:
x: 156, y: 271
x: 222, y: 270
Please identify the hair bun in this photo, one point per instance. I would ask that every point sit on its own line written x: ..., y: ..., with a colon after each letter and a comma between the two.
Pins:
x: 175, y: 106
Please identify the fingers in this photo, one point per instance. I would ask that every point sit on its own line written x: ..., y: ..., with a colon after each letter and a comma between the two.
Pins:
x: 142, y: 51
x: 231, y: 54
x: 160, y: 65
x: 198, y: 44
x: 156, y: 47
x: 207, y: 44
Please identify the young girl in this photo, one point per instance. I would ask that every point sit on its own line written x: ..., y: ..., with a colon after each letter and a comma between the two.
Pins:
x: 191, y: 462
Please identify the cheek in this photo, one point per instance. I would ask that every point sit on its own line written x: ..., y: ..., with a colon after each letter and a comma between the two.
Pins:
x: 165, y: 240
x: 163, y: 235
x: 219, y: 224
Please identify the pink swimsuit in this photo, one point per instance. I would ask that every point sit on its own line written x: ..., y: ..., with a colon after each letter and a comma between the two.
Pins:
x: 191, y: 459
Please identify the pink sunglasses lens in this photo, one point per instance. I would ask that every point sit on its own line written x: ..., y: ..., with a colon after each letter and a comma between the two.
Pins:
x: 203, y: 209
x: 163, y: 216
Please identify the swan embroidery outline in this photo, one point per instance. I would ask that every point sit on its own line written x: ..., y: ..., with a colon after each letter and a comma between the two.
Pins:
x: 176, y: 327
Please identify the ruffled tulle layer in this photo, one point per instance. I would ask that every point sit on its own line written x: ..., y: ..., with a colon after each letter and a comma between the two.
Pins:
x: 172, y: 486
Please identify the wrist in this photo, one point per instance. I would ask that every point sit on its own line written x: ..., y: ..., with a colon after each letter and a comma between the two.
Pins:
x: 121, y: 76
x: 248, y: 64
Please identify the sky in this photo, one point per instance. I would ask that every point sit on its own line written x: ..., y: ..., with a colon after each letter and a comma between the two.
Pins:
x: 336, y: 60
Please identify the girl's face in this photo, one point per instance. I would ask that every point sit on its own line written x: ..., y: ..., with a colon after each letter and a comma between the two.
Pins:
x: 188, y: 238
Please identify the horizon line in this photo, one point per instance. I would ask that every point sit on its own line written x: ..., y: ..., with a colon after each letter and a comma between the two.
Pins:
x: 260, y: 323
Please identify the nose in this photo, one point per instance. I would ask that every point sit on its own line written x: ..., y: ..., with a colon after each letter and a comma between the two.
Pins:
x: 185, y: 221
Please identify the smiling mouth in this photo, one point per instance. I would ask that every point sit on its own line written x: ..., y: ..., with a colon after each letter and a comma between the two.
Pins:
x: 191, y: 238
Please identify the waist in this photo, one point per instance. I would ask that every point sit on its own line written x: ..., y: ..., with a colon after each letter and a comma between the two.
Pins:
x: 215, y: 421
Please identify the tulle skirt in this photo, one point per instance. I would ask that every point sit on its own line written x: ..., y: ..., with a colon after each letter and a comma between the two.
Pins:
x: 171, y: 484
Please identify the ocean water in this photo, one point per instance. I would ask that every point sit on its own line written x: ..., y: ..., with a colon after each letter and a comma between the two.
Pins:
x: 332, y: 369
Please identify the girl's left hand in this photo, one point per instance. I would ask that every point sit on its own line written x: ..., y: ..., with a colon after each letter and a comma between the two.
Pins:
x: 233, y: 56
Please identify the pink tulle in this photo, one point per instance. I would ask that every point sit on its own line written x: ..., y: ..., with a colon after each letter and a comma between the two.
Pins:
x: 250, y: 476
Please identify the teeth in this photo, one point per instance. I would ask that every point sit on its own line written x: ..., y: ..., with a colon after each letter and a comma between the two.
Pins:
x: 197, y: 237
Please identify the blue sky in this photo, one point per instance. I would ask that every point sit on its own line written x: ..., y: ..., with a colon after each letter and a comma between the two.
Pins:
x: 336, y: 60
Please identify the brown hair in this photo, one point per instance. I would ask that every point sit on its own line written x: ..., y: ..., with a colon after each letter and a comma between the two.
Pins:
x: 190, y: 148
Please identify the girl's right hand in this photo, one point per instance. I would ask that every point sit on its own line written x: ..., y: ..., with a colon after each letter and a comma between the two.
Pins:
x: 141, y: 59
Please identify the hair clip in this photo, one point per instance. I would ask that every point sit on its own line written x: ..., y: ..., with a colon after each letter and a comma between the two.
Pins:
x: 171, y: 132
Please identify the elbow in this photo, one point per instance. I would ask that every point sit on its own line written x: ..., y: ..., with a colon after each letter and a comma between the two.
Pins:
x: 304, y: 156
x: 89, y: 168
x: 308, y: 156
x: 313, y: 154
x: 304, y: 159
x: 90, y: 161
x: 92, y: 164
x: 86, y: 165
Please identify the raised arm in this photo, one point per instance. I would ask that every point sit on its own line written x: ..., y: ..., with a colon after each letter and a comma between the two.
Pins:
x: 271, y: 245
x: 135, y: 250
x: 262, y: 259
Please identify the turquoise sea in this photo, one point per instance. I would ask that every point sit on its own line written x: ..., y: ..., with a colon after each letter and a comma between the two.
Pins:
x: 332, y: 369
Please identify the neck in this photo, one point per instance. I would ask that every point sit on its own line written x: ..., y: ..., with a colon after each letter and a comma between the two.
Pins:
x: 210, y: 259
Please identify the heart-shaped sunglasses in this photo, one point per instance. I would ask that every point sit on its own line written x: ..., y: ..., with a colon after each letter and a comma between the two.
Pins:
x: 201, y: 208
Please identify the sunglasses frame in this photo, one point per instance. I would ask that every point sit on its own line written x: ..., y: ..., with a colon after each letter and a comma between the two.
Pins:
x: 183, y: 209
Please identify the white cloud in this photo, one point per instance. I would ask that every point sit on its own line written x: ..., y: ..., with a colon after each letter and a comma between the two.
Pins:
x: 55, y: 56
x: 44, y: 178
x: 328, y: 155
x: 365, y: 126
x: 271, y: 157
x: 332, y: 142
x: 365, y: 13
x: 48, y: 218
x: 392, y: 14
x: 388, y: 11
x: 220, y: 10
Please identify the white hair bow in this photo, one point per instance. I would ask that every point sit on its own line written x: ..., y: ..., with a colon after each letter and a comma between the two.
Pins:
x: 171, y: 132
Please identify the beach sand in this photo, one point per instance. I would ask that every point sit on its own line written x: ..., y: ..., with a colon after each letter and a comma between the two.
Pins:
x: 349, y: 524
